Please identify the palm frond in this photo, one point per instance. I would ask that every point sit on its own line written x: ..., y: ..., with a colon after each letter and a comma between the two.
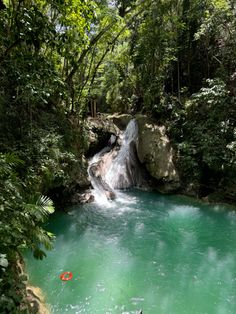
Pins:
x: 12, y: 159
x: 46, y: 204
x: 40, y: 207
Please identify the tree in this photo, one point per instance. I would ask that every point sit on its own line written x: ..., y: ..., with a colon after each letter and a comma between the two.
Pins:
x: 20, y: 226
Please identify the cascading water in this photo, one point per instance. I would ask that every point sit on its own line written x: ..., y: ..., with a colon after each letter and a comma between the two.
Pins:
x: 97, y: 181
x: 123, y: 172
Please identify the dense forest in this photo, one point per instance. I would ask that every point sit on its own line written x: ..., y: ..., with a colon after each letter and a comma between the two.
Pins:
x: 172, y: 60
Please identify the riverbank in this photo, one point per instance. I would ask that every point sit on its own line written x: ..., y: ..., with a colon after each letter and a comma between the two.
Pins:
x: 36, y: 300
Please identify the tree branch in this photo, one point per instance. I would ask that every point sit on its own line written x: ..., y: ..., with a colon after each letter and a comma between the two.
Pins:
x: 93, y: 41
x: 96, y: 38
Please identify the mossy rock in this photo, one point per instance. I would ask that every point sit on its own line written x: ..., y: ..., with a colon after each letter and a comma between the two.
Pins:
x: 156, y: 153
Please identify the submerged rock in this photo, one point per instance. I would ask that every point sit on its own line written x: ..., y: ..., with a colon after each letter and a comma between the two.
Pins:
x: 110, y: 195
x: 82, y: 198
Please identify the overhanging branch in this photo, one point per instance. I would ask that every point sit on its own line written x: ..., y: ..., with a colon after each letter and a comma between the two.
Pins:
x: 96, y: 38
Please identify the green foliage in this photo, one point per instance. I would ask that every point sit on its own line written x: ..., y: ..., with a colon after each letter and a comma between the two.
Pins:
x: 178, y: 66
x: 118, y: 79
x: 50, y: 53
x: 216, y: 36
x: 153, y: 51
x: 40, y: 43
x: 12, y: 296
x: 22, y: 212
x: 208, y: 154
x: 214, y: 134
x: 47, y: 162
x: 174, y: 60
x: 188, y: 162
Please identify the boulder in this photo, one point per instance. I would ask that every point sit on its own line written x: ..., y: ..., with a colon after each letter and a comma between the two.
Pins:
x: 99, y: 131
x: 156, y: 153
x: 82, y: 198
x: 121, y: 121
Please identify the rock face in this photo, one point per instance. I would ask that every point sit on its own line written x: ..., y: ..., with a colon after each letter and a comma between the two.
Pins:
x: 153, y: 147
x: 121, y: 121
x: 155, y: 152
x: 98, y: 181
x: 99, y: 131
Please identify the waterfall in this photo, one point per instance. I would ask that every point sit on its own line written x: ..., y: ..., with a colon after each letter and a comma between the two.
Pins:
x: 124, y: 171
x: 95, y: 175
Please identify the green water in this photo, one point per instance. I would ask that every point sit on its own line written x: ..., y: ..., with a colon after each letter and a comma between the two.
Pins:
x: 161, y: 254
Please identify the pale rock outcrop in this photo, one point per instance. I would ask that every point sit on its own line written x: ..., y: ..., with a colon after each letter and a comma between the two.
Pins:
x: 156, y: 153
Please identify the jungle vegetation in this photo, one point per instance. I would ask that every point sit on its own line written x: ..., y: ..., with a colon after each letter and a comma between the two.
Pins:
x: 173, y: 60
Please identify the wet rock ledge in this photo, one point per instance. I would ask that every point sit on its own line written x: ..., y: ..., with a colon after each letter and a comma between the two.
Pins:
x: 36, y: 301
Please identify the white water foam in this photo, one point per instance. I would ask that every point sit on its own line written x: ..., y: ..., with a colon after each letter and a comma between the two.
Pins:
x: 124, y: 171
x: 184, y: 211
